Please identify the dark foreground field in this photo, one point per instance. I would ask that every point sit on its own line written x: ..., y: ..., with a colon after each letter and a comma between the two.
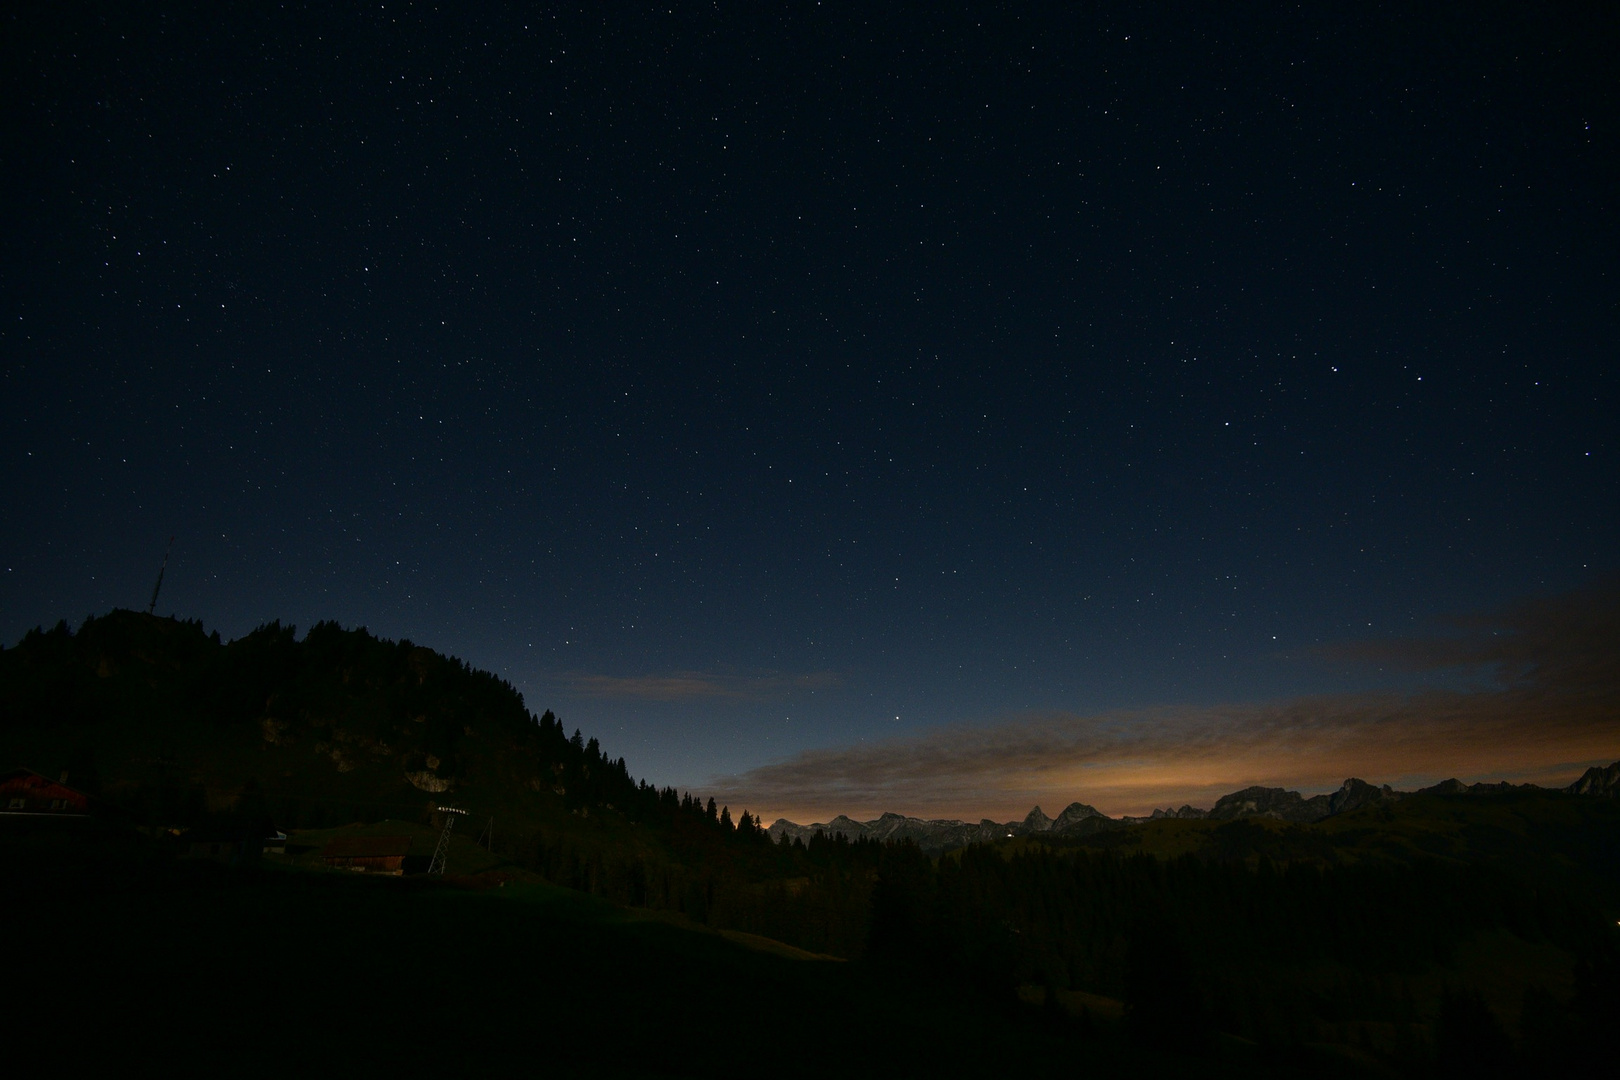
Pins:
x: 122, y: 956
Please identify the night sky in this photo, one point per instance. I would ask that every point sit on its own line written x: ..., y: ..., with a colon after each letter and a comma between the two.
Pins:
x: 814, y: 402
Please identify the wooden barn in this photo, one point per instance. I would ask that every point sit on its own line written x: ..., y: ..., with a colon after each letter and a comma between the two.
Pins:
x: 368, y: 854
x: 23, y: 791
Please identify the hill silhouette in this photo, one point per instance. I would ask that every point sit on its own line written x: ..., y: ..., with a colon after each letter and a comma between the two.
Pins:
x: 322, y: 726
x: 172, y: 728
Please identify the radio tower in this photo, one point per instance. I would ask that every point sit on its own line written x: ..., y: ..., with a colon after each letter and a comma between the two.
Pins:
x: 439, y: 853
x: 162, y: 568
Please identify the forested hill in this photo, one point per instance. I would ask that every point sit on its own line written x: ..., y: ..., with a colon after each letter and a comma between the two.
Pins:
x: 164, y: 719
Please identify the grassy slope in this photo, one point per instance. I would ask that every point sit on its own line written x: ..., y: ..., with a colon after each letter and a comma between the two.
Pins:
x: 267, y: 971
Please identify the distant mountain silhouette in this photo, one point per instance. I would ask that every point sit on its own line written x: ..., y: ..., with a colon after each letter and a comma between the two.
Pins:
x: 1078, y: 819
x: 1602, y: 781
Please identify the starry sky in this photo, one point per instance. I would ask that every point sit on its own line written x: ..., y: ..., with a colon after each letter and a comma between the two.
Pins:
x: 815, y: 400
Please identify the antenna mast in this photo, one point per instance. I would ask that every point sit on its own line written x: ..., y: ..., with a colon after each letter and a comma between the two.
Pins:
x: 439, y: 853
x: 156, y: 588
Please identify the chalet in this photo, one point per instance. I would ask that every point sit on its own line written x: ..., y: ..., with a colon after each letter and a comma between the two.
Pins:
x: 28, y: 793
x: 368, y: 854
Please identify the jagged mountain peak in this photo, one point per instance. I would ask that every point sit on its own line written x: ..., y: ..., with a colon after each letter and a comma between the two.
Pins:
x: 1076, y: 812
x: 1602, y: 781
x: 1187, y: 811
x: 1354, y: 794
x: 1036, y: 821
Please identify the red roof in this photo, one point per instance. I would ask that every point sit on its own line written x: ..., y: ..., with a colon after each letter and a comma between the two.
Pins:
x: 39, y: 790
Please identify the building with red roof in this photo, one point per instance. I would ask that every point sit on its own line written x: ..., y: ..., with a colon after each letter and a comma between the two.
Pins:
x: 28, y: 793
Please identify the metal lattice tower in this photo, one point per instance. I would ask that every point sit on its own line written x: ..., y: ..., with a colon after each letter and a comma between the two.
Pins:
x: 159, y: 586
x: 439, y: 853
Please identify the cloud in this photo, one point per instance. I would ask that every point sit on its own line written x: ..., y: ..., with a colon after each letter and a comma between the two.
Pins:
x: 1555, y: 710
x: 694, y: 685
x: 1567, y: 643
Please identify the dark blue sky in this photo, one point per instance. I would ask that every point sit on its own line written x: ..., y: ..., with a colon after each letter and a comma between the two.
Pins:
x: 742, y: 380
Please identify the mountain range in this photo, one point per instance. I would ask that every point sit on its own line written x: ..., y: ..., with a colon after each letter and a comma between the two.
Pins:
x: 1079, y: 819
